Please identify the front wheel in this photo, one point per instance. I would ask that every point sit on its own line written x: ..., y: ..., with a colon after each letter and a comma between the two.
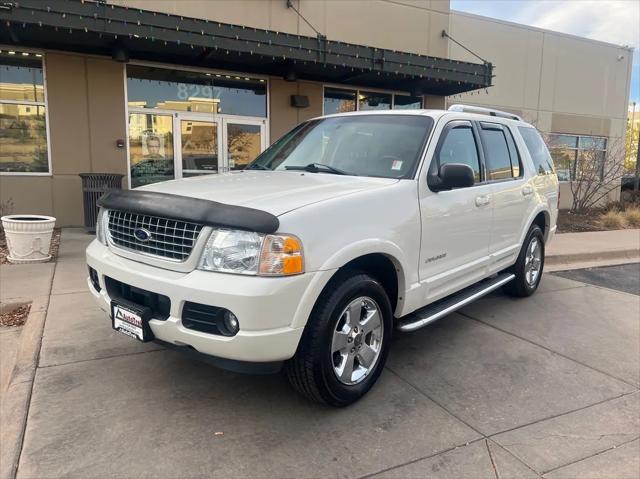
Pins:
x: 529, y: 266
x: 345, y: 343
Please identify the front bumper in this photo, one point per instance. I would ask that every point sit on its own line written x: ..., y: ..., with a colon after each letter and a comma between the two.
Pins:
x: 266, y: 308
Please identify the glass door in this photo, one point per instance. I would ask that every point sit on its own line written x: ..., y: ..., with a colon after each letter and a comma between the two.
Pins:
x: 244, y: 140
x: 150, y: 148
x: 198, y: 146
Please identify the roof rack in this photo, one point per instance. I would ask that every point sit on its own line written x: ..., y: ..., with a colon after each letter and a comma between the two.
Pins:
x: 484, y: 111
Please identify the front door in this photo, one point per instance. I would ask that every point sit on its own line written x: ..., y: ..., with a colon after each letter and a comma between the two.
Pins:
x: 166, y: 145
x: 456, y: 224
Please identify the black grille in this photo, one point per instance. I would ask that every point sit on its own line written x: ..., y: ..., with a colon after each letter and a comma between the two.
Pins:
x: 205, y: 318
x: 159, y: 304
x: 93, y: 274
x: 167, y: 238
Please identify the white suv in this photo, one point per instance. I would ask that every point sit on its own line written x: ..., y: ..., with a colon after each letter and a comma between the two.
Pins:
x: 347, y: 227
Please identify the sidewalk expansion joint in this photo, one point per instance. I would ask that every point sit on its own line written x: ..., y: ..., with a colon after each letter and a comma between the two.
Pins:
x: 101, y: 358
x: 612, y: 376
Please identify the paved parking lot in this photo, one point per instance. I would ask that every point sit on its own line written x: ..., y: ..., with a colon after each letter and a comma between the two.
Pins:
x: 506, y: 388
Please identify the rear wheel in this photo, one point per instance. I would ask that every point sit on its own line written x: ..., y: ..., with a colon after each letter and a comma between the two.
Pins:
x: 529, y: 266
x: 345, y: 343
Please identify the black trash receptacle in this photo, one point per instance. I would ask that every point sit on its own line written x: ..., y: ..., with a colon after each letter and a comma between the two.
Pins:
x: 94, y: 185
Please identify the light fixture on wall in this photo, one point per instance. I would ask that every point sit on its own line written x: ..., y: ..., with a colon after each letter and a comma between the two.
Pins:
x: 119, y: 53
x: 290, y: 76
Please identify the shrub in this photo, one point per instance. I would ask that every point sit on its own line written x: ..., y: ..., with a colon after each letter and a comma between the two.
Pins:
x: 613, y: 220
x: 632, y: 217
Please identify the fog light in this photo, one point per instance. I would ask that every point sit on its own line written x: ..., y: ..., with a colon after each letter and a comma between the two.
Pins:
x: 230, y: 324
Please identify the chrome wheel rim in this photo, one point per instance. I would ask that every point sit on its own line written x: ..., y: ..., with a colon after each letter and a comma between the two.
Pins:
x: 533, y: 262
x: 357, y: 341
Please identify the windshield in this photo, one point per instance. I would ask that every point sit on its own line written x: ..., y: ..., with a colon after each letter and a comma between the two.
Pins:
x: 386, y: 146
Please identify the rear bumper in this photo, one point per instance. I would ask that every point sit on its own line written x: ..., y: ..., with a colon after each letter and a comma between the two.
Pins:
x: 266, y: 308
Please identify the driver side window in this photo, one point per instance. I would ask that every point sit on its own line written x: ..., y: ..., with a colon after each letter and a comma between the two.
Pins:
x: 459, y: 146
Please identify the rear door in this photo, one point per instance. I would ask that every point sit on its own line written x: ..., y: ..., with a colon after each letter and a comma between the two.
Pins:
x: 456, y: 224
x: 513, y: 196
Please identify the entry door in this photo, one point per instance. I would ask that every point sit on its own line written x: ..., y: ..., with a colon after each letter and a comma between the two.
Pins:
x: 198, y: 146
x: 243, y: 141
x: 456, y: 224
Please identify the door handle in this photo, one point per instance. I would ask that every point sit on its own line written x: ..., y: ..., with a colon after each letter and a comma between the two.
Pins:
x: 527, y: 190
x: 482, y: 200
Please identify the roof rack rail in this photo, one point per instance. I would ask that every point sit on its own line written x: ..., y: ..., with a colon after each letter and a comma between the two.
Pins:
x: 484, y: 111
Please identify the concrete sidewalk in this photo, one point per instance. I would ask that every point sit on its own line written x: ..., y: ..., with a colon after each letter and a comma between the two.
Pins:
x: 597, y: 248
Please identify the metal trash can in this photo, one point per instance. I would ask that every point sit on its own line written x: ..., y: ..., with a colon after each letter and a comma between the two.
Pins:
x: 94, y: 185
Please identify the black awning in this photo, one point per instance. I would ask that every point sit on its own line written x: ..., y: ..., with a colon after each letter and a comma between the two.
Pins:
x: 91, y: 26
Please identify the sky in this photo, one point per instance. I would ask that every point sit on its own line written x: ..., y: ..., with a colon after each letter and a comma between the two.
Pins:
x: 612, y: 21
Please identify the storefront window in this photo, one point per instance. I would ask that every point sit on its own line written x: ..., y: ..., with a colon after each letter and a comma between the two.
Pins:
x: 339, y: 101
x: 162, y: 88
x: 23, y: 130
x: 406, y: 102
x: 150, y: 148
x: 573, y: 153
x: 244, y: 144
x: 374, y: 101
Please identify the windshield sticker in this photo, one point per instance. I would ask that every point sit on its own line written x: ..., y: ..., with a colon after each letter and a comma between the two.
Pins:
x: 396, y: 165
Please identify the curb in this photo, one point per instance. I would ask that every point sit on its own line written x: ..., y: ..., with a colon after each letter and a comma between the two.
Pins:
x: 563, y: 262
x: 17, y: 395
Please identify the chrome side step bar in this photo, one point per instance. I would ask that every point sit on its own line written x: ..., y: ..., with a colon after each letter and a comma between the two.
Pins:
x: 442, y: 307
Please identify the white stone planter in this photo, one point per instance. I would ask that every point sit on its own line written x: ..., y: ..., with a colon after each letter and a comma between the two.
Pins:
x: 28, y: 237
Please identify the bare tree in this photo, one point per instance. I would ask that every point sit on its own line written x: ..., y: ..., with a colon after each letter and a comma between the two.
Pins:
x: 596, y: 174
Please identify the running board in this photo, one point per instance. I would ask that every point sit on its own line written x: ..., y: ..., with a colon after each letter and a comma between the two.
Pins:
x: 442, y: 307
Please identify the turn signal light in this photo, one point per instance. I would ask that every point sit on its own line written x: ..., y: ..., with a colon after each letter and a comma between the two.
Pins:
x: 281, y: 256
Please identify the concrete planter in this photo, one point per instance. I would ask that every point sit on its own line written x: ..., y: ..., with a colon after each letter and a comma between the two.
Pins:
x: 28, y: 237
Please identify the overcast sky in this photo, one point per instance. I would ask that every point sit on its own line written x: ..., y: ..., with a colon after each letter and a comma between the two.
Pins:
x: 613, y: 21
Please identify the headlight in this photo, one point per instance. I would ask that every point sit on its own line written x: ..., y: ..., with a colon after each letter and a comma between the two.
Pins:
x: 102, y: 225
x: 246, y: 252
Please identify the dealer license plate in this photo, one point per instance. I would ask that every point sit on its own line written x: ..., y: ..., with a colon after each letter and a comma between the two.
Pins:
x: 132, y: 321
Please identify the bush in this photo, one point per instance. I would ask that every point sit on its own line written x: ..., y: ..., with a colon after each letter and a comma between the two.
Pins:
x: 613, y: 220
x: 632, y: 217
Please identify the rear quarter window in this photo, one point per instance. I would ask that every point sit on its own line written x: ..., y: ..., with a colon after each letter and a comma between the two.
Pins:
x: 542, y: 161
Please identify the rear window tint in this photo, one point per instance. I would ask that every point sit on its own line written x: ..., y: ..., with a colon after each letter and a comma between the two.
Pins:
x: 542, y: 161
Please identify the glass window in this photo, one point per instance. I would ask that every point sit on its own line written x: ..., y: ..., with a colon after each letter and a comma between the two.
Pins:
x: 149, y: 87
x: 374, y: 101
x: 339, y: 101
x: 199, y: 140
x: 497, y: 154
x: 574, y: 154
x: 150, y: 148
x: 513, y: 153
x: 23, y: 128
x: 244, y: 143
x: 362, y: 145
x: 459, y: 146
x: 406, y: 102
x: 537, y: 149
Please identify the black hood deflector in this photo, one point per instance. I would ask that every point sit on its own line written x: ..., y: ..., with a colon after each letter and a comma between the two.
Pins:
x: 195, y: 210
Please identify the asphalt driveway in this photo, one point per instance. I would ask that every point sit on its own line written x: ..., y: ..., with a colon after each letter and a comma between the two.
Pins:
x: 547, y: 385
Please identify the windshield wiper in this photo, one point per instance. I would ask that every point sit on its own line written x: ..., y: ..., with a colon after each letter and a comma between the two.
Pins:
x: 316, y: 168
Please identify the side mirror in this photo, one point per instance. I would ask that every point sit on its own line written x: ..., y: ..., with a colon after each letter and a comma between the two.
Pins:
x: 455, y: 175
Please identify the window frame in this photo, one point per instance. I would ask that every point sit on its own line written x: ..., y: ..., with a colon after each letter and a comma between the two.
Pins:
x: 576, y: 151
x: 44, y: 104
x: 357, y: 90
x: 485, y: 125
x: 434, y: 166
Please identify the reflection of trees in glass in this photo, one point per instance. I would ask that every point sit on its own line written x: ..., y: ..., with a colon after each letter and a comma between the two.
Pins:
x: 243, y: 144
x: 23, y: 139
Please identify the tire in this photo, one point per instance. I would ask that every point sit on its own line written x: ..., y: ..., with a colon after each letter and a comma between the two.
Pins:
x: 525, y: 283
x: 331, y: 335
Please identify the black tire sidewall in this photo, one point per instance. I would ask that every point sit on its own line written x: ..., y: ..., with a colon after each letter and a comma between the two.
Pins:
x: 353, y: 287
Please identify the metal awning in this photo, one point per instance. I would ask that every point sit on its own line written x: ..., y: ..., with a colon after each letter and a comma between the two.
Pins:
x: 90, y: 26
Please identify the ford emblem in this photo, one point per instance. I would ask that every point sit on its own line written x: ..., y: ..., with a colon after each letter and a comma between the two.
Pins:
x: 143, y: 235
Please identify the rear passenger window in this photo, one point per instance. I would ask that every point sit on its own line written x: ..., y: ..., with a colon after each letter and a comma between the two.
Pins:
x: 500, y: 152
x: 542, y: 161
x: 459, y: 146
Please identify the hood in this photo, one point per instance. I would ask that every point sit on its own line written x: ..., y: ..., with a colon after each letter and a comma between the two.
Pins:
x: 276, y: 192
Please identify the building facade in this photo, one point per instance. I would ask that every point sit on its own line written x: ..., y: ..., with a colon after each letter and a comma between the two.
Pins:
x: 157, y: 90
